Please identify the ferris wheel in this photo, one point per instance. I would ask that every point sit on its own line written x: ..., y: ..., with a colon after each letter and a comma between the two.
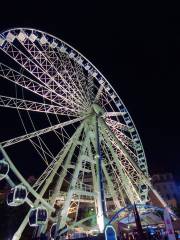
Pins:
x: 84, y: 138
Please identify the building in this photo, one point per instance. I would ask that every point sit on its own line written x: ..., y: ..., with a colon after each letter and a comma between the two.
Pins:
x: 167, y: 188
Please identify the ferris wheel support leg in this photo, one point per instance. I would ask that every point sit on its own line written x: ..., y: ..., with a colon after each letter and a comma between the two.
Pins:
x: 61, y: 179
x: 93, y: 168
x: 100, y: 184
x: 111, y: 188
x: 94, y: 184
x: 93, y: 174
x: 64, y: 170
x: 64, y: 212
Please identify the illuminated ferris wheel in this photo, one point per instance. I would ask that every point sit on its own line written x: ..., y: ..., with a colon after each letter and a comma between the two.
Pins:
x: 77, y: 125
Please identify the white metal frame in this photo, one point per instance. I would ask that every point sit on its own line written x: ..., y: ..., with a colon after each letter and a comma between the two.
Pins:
x: 70, y: 86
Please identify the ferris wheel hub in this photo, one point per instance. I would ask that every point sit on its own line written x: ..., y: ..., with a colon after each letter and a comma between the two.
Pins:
x: 97, y: 109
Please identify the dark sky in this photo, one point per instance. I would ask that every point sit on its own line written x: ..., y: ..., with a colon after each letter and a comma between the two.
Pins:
x: 136, y: 47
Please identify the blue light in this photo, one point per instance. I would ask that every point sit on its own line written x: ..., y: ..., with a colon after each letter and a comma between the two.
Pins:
x: 151, y: 230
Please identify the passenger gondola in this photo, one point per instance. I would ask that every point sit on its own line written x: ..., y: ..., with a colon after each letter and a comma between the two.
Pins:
x: 17, y: 196
x: 4, y: 169
x: 38, y: 216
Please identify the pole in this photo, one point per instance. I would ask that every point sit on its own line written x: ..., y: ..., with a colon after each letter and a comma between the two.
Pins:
x: 138, y: 223
x: 100, y: 185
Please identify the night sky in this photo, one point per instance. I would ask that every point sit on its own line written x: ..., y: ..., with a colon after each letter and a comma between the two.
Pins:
x: 136, y: 47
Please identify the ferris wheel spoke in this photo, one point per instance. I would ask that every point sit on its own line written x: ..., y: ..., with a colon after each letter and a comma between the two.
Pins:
x: 91, y: 88
x: 122, y: 137
x: 131, y: 163
x: 117, y: 144
x: 40, y: 132
x: 87, y: 83
x: 121, y: 177
x: 112, y: 171
x: 125, y: 141
x: 113, y: 114
x: 75, y: 73
x: 42, y: 153
x: 111, y: 161
x: 115, y: 183
x: 117, y: 124
x: 105, y: 99
x: 39, y: 74
x: 127, y: 165
x: 31, y: 106
x: 52, y: 167
x: 66, y: 70
x: 124, y: 177
x: 130, y: 170
x: 48, y: 66
x: 57, y: 161
x: 42, y: 149
x: 125, y: 146
x: 35, y: 87
x: 99, y: 92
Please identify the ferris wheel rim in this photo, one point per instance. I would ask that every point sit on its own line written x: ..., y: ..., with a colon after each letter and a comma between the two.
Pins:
x: 140, y: 157
x: 106, y: 86
x: 93, y: 66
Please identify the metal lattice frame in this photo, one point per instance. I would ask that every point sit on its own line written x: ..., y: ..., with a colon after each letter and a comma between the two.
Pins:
x: 64, y: 84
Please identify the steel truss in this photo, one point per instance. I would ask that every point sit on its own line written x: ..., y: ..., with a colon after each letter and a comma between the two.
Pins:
x: 52, y: 78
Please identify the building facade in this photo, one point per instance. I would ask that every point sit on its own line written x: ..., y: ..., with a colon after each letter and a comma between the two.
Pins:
x: 167, y: 187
